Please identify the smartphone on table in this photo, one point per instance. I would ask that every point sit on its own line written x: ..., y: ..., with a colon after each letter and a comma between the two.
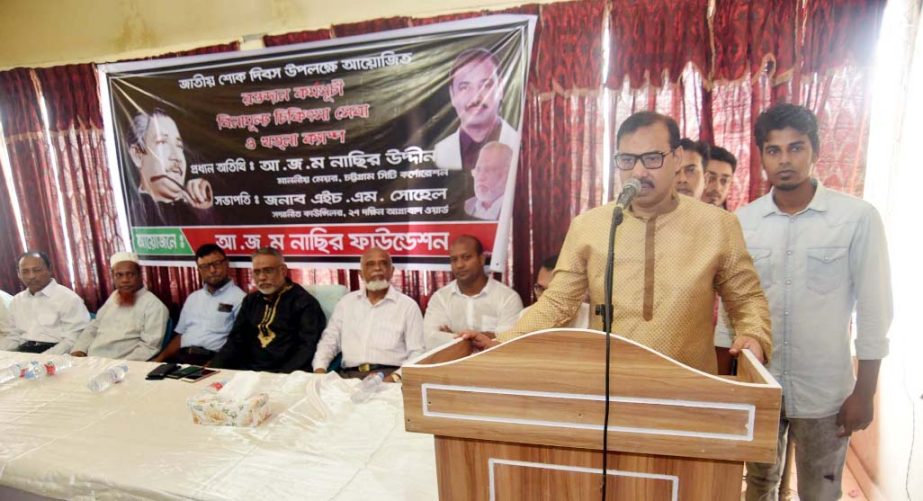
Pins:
x: 200, y: 374
x: 185, y: 371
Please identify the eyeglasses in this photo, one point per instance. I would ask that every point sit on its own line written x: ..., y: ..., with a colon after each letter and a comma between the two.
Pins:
x: 650, y: 160
x: 268, y: 271
x: 212, y: 265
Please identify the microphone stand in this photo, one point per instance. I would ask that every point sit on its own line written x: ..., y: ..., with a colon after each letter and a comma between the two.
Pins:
x: 606, y: 311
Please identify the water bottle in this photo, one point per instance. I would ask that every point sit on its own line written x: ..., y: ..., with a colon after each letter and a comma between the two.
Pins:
x: 34, y: 370
x: 102, y: 381
x: 368, y: 387
x: 58, y: 364
x: 11, y: 372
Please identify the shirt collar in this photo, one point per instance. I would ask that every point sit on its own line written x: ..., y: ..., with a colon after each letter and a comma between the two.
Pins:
x: 220, y: 290
x: 818, y: 202
x: 390, y: 295
x: 46, y: 291
x: 484, y: 291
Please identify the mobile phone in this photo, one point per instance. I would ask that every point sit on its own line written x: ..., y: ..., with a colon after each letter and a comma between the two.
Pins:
x: 185, y: 371
x: 202, y: 374
x: 162, y: 371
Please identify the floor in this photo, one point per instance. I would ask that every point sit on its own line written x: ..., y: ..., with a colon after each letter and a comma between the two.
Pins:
x: 851, y: 490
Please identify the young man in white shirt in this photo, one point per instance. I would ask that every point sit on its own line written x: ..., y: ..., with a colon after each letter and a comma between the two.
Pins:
x: 821, y: 255
x: 46, y: 317
x: 377, y: 328
x: 473, y: 302
x: 208, y: 314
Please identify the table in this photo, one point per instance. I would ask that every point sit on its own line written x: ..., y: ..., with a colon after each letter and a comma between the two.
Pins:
x: 137, y: 440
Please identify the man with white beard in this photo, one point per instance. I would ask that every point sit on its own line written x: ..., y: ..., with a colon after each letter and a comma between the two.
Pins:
x: 377, y: 328
x: 278, y: 325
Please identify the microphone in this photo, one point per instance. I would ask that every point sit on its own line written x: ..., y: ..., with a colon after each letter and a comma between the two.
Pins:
x: 629, y: 192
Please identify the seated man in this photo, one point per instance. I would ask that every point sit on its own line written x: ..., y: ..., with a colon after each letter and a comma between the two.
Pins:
x: 473, y: 302
x: 377, y: 328
x: 46, y: 317
x: 278, y: 326
x: 132, y: 323
x: 543, y: 280
x: 208, y: 314
x: 4, y: 315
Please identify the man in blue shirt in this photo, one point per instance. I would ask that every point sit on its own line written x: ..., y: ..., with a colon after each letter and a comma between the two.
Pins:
x: 208, y: 314
x: 821, y: 255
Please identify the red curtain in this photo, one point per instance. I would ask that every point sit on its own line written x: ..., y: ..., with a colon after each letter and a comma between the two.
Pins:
x: 297, y: 37
x: 10, y: 244
x: 32, y: 169
x: 722, y: 70
x: 76, y: 136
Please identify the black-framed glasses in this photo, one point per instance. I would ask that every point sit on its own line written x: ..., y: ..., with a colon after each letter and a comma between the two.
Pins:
x: 650, y: 160
x: 214, y: 264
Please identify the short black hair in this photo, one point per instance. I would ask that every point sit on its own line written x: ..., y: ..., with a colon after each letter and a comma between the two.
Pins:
x: 700, y: 147
x: 550, y: 262
x: 478, y: 246
x: 36, y: 253
x: 722, y: 155
x: 207, y: 249
x: 646, y: 119
x: 786, y: 115
x: 468, y: 56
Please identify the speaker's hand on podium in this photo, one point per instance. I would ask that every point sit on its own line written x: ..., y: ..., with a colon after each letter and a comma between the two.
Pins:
x: 480, y: 340
x: 747, y: 343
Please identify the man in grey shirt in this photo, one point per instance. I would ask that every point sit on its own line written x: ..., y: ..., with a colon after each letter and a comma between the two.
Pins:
x: 131, y: 324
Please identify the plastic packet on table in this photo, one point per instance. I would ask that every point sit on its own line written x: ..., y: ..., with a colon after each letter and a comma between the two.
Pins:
x: 213, y: 406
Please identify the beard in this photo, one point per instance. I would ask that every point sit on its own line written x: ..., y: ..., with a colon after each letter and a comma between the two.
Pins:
x: 377, y: 285
x: 126, y: 299
x: 268, y: 290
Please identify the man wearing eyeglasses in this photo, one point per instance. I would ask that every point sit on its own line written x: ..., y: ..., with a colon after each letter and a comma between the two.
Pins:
x: 278, y: 326
x: 671, y: 254
x: 208, y: 313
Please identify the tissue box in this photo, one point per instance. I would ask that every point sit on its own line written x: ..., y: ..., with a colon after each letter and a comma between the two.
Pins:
x: 209, y: 409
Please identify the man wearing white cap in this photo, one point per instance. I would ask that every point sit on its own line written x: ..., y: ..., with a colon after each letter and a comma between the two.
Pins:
x: 131, y: 324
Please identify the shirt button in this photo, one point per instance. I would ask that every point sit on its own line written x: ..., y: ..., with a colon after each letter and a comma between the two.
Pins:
x: 788, y: 282
x: 786, y: 313
x: 789, y: 253
x: 785, y: 343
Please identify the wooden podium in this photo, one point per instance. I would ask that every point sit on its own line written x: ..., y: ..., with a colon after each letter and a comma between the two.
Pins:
x: 523, y: 420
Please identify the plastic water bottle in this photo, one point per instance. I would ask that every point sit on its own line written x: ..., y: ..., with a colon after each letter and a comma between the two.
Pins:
x: 102, y: 381
x: 34, y: 370
x: 368, y: 387
x: 11, y: 372
x: 58, y: 364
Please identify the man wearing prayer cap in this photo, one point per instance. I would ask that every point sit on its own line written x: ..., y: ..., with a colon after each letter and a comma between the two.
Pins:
x: 132, y: 323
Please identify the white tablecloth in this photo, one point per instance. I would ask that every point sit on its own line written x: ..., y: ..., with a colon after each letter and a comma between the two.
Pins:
x: 137, y: 441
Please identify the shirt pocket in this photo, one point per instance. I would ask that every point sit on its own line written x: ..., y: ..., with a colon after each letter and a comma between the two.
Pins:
x: 762, y: 261
x: 388, y: 337
x: 47, y: 318
x: 488, y: 323
x: 827, y: 268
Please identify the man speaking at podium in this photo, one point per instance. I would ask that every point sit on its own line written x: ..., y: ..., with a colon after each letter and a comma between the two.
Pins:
x: 672, y: 252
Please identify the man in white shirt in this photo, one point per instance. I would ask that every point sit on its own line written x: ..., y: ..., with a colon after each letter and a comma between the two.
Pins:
x: 821, y: 255
x: 4, y: 315
x: 473, y: 302
x: 131, y: 324
x: 46, y: 317
x: 208, y: 314
x: 377, y: 328
x: 543, y: 280
x: 490, y: 178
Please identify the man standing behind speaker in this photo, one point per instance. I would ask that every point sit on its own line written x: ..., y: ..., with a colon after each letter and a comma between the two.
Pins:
x: 672, y: 253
